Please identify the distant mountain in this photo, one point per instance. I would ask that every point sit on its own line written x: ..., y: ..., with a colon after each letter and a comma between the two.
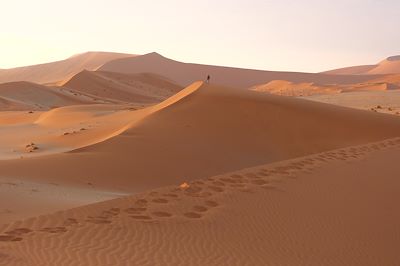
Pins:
x: 59, y: 71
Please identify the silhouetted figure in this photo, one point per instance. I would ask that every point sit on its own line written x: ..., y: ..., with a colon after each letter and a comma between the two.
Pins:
x: 208, y: 79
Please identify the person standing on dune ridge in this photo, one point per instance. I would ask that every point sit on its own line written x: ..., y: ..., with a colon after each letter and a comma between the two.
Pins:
x: 208, y: 79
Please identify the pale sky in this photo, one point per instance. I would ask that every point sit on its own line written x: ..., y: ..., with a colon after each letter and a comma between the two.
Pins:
x: 293, y: 35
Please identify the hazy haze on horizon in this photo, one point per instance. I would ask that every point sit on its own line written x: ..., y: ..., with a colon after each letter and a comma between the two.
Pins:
x: 309, y: 36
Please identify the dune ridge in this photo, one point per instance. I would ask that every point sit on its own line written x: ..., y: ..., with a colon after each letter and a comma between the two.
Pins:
x: 59, y: 71
x: 186, y: 73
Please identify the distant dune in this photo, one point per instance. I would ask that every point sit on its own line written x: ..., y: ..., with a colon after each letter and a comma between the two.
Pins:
x: 287, y: 88
x: 87, y: 88
x: 134, y: 88
x: 30, y: 96
x: 185, y: 73
x: 57, y: 72
x: 390, y: 65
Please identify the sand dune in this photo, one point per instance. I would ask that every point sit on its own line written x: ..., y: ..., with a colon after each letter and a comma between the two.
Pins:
x: 185, y: 73
x: 134, y: 88
x: 206, y: 130
x: 390, y: 65
x: 312, y: 210
x: 286, y: 166
x: 87, y: 88
x: 27, y: 134
x: 30, y: 96
x: 381, y: 101
x: 287, y: 88
x: 57, y: 72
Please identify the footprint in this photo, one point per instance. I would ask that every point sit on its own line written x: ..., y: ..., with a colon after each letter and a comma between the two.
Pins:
x: 263, y: 173
x: 238, y: 185
x: 199, y: 208
x: 18, y: 231
x: 171, y: 195
x: 235, y: 176
x: 211, y: 203
x: 135, y: 210
x: 162, y: 214
x: 160, y: 200
x: 218, y: 183
x: 204, y: 194
x: 232, y: 181
x: 70, y: 221
x: 216, y: 189
x: 141, y: 202
x: 192, y: 215
x: 98, y: 220
x: 259, y: 182
x: 54, y: 230
x: 269, y: 187
x: 251, y: 175
x: 140, y: 217
x: 193, y: 189
x: 228, y: 180
x: 111, y: 212
x: 9, y: 238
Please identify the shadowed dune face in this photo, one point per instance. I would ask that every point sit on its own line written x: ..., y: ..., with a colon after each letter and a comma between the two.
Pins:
x: 88, y: 88
x: 184, y: 73
x: 59, y: 71
x: 31, y: 96
x: 206, y: 131
x: 133, y: 88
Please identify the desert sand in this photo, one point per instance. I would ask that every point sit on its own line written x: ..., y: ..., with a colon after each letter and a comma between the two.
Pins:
x: 300, y: 211
x: 136, y: 161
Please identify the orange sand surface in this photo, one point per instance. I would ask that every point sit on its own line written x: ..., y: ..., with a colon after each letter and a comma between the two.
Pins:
x: 332, y: 208
x: 115, y: 159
